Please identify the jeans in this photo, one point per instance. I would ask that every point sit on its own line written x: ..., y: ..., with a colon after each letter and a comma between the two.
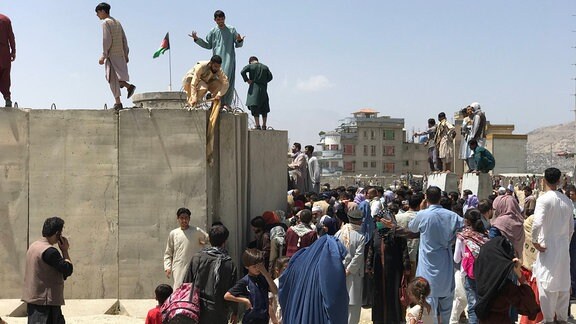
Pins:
x: 471, y: 296
x: 441, y: 306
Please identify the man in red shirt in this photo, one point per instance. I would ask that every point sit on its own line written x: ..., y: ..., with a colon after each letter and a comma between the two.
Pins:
x: 7, y: 55
x: 301, y: 235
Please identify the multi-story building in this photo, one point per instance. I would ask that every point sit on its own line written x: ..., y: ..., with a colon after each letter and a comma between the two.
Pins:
x: 330, y: 156
x: 373, y: 145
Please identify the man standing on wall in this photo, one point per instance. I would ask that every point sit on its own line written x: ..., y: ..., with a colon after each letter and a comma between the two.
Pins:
x: 114, y: 54
x: 433, y: 161
x: 46, y: 270
x: 444, y: 140
x: 257, y: 75
x: 7, y: 55
x: 222, y: 40
x: 298, y: 168
x: 313, y: 169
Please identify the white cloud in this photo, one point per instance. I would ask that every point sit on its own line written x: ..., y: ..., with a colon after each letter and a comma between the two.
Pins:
x: 314, y: 83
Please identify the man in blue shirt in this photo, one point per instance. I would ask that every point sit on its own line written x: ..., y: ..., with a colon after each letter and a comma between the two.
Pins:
x: 437, y: 227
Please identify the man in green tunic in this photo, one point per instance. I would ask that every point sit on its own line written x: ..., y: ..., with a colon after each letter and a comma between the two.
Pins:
x: 257, y: 75
x: 222, y: 40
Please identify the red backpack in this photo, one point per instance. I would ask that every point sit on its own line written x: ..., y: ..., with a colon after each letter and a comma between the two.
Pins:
x: 183, y: 303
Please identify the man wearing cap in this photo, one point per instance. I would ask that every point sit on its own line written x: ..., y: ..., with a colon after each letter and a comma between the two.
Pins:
x: 478, y: 131
x: 437, y: 227
x: 316, y: 214
x: 350, y: 235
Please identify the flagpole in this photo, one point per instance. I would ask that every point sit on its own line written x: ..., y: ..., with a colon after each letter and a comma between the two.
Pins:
x: 170, y: 68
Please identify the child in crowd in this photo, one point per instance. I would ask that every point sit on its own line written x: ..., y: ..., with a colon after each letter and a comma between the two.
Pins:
x: 274, y: 309
x: 162, y: 292
x: 418, y: 290
x: 468, y: 244
x: 252, y: 290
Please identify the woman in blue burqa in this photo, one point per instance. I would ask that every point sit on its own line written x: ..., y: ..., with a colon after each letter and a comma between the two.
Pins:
x: 313, y: 287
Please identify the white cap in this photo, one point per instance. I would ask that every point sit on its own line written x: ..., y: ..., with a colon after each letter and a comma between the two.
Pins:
x: 316, y: 209
x: 475, y: 106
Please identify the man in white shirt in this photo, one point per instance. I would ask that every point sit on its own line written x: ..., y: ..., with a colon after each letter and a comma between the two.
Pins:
x: 313, y: 169
x: 551, y: 233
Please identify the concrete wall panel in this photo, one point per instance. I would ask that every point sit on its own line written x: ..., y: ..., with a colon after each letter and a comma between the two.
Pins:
x: 162, y: 167
x: 233, y: 169
x: 13, y: 200
x: 446, y: 181
x: 479, y: 184
x: 73, y: 175
x: 268, y: 171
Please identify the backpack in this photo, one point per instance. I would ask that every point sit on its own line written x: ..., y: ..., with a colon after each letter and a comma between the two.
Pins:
x: 468, y: 260
x: 183, y: 303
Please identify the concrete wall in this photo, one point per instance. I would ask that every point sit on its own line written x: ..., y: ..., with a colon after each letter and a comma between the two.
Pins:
x: 162, y: 167
x: 509, y: 152
x: 267, y: 155
x: 73, y: 175
x: 479, y: 184
x: 117, y: 180
x: 13, y: 200
x: 446, y: 181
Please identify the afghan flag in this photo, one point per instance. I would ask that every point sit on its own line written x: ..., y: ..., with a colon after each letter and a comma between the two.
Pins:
x: 163, y: 47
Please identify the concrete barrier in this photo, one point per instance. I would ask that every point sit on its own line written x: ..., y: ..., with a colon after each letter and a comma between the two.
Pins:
x: 117, y: 180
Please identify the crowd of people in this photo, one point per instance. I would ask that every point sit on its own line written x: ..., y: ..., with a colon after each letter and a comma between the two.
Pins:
x: 410, y: 255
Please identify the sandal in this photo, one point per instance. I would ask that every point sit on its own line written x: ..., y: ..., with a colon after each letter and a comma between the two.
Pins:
x: 131, y: 89
x: 263, y: 127
x: 257, y: 127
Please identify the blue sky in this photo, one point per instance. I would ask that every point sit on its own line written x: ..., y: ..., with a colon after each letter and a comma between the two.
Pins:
x: 405, y: 59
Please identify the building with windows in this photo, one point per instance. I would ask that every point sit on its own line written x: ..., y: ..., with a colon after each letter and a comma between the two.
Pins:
x: 369, y: 144
x: 330, y: 154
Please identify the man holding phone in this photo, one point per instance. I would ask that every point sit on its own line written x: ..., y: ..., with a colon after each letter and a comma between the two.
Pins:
x: 46, y: 270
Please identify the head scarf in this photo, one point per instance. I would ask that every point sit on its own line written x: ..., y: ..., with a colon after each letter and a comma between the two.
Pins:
x: 328, y: 222
x: 492, y: 269
x: 359, y: 197
x: 510, y: 221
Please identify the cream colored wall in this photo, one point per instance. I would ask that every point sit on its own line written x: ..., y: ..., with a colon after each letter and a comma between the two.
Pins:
x: 117, y: 181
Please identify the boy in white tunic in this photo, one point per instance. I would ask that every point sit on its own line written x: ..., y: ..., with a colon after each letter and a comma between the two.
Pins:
x: 182, y: 244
